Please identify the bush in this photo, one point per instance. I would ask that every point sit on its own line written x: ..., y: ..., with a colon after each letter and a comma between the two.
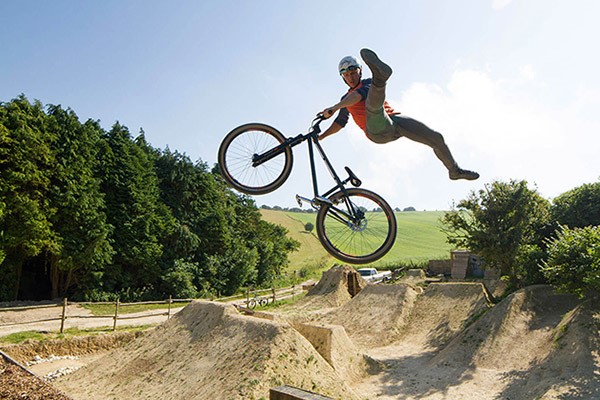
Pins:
x: 578, y: 207
x: 573, y: 263
x: 309, y: 226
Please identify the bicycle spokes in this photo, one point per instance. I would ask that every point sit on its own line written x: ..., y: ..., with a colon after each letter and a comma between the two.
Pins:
x: 359, y: 226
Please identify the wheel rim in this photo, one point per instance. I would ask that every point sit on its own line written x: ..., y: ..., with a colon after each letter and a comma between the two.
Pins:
x: 239, y: 157
x: 363, y: 239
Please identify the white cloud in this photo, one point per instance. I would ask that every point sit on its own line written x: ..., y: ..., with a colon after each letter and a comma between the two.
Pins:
x: 527, y: 72
x: 500, y: 4
x: 496, y: 126
x: 502, y: 127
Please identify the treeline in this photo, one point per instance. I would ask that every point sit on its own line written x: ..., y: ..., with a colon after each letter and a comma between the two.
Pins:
x: 95, y: 215
x: 288, y: 209
x: 312, y: 210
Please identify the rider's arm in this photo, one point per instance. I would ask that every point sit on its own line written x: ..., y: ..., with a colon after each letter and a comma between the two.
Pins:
x: 349, y: 100
x: 334, y: 128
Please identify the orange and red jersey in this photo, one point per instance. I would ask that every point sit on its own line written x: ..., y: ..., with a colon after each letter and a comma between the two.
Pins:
x: 358, y: 110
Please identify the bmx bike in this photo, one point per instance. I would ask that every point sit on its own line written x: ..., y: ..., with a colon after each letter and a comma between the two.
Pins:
x: 257, y: 301
x: 354, y: 225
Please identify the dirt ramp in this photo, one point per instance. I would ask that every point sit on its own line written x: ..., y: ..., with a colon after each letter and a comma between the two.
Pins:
x: 572, y: 369
x: 336, y: 287
x: 334, y: 345
x: 513, y: 334
x: 374, y: 317
x: 441, y: 312
x: 547, y: 344
x: 208, y: 351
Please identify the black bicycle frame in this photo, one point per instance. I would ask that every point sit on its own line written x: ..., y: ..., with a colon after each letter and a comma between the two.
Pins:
x: 313, y: 141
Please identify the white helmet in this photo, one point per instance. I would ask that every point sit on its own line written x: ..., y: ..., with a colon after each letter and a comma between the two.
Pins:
x: 348, y: 63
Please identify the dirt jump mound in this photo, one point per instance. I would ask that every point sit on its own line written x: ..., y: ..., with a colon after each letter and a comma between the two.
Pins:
x: 336, y: 287
x: 209, y: 351
x: 441, y: 312
x: 374, y: 317
x: 547, y: 343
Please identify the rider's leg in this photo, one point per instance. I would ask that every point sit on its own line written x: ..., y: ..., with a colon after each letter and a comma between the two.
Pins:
x: 419, y: 132
x: 380, y: 127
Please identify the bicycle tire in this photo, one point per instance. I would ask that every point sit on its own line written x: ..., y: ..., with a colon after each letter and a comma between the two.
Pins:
x: 264, y: 302
x: 251, y: 304
x: 236, y: 153
x: 358, y: 242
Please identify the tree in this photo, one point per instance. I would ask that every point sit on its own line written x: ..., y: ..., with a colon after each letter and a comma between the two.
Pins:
x: 26, y: 160
x: 202, y: 211
x: 2, y: 254
x: 138, y: 218
x: 578, y: 207
x: 573, y: 263
x: 79, y: 223
x: 498, y: 223
x: 269, y: 240
x: 273, y: 245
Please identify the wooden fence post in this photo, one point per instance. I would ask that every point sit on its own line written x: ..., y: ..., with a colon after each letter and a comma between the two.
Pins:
x: 63, y: 317
x: 169, y: 309
x: 273, y: 290
x: 116, y: 315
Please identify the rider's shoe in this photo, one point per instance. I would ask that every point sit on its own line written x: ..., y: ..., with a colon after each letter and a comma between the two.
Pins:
x: 459, y: 173
x: 380, y: 70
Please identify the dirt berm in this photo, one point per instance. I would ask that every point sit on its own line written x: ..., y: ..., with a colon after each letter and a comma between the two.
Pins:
x: 535, y: 344
x: 208, y: 351
x: 375, y: 316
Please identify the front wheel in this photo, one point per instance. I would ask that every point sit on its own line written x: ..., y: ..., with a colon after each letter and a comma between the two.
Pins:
x: 239, y: 150
x: 357, y: 228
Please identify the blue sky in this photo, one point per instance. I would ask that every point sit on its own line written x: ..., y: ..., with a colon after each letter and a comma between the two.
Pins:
x: 512, y: 85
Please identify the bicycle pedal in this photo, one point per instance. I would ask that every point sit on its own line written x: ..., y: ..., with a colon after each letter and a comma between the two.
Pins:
x: 300, y: 199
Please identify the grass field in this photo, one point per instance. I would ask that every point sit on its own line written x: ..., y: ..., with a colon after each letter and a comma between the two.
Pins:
x: 419, y: 239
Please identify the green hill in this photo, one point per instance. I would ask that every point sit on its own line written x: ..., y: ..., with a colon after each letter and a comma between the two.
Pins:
x: 419, y: 239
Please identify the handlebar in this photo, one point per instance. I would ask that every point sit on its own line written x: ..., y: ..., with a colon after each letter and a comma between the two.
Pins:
x: 320, y: 117
x: 315, y: 128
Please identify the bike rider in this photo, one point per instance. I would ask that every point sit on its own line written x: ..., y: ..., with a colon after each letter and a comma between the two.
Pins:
x: 365, y: 101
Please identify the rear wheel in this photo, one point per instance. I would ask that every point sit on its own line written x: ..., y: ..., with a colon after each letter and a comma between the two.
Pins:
x: 237, y: 153
x: 357, y: 228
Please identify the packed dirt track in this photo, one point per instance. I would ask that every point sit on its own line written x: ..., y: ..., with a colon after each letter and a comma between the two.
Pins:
x: 393, y: 341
